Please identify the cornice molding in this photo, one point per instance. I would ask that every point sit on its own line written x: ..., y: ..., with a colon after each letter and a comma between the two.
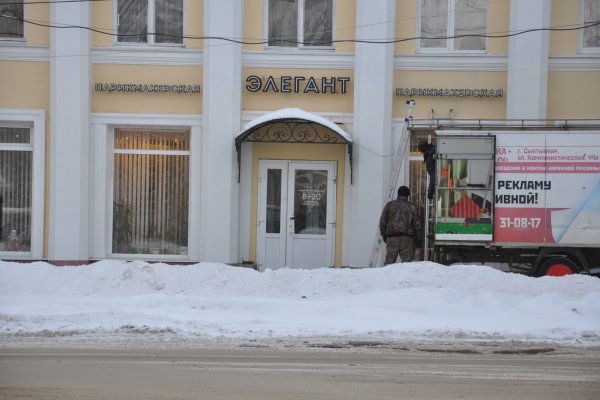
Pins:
x: 12, y: 52
x: 297, y: 59
x: 450, y: 62
x: 445, y: 62
x: 147, y: 56
x: 576, y: 63
x: 146, y: 119
x: 321, y: 60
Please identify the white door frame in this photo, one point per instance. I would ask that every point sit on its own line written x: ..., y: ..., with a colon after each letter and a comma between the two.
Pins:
x: 285, y: 248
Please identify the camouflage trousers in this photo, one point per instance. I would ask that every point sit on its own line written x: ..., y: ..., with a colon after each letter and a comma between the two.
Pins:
x: 403, y: 246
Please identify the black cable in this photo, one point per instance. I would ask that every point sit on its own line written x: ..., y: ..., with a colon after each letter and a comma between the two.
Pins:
x: 489, y: 36
x: 298, y: 42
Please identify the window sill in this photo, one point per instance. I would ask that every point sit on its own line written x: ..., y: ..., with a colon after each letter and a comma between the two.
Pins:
x: 150, y: 46
x: 451, y: 52
x: 589, y: 50
x: 150, y: 257
x: 15, y: 255
x: 12, y: 41
x: 297, y: 50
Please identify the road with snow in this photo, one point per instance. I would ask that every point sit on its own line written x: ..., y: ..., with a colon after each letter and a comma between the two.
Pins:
x: 334, y: 370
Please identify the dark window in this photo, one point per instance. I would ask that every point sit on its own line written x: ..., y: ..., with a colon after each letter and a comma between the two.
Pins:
x: 300, y: 23
x: 443, y: 19
x: 591, y: 35
x: 11, y: 18
x: 150, y: 21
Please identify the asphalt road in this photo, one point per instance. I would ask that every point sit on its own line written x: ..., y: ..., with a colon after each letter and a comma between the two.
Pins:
x: 322, y: 372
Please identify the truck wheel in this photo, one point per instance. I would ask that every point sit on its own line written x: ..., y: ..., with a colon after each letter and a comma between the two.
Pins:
x: 557, y: 266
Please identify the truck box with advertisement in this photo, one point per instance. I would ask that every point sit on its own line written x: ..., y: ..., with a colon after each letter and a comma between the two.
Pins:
x: 527, y: 198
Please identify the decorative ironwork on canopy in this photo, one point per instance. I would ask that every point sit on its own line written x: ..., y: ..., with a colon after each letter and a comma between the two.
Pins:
x: 291, y: 130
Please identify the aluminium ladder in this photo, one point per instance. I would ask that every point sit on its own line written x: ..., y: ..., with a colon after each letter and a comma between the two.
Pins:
x: 393, y: 183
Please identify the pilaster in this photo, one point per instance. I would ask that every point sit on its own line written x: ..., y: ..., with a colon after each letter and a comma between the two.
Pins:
x: 528, y: 60
x: 373, y: 96
x: 221, y: 123
x: 68, y: 229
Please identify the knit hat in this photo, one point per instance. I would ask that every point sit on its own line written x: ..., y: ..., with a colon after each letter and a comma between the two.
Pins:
x: 403, y: 191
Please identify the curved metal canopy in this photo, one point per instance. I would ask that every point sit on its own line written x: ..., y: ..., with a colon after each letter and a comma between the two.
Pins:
x: 293, y: 125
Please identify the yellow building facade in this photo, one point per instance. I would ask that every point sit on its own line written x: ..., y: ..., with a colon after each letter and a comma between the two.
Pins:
x: 256, y: 131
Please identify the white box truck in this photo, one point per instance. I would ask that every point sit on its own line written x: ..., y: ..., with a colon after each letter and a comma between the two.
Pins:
x: 526, y: 198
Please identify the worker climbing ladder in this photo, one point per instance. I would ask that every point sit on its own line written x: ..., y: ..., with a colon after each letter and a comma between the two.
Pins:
x: 428, y: 225
x: 399, y: 155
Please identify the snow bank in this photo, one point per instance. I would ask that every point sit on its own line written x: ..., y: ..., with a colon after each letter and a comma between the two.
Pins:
x: 404, y: 301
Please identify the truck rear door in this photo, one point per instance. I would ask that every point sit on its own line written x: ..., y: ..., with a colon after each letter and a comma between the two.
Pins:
x: 464, y: 209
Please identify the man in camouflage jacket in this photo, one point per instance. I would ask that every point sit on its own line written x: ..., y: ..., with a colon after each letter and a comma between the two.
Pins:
x: 400, y: 226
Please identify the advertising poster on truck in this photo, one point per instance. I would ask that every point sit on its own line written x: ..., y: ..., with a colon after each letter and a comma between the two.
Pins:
x: 547, y: 188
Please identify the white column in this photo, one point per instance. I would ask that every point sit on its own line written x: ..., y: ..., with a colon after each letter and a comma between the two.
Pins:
x: 68, y: 229
x: 528, y: 60
x: 222, y: 120
x: 373, y: 96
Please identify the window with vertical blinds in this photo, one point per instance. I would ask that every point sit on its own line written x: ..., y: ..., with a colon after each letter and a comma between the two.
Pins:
x: 150, y: 21
x: 150, y: 192
x: 16, y: 164
x: 11, y: 22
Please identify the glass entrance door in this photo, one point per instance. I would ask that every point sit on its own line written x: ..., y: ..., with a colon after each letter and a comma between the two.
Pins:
x: 296, y: 218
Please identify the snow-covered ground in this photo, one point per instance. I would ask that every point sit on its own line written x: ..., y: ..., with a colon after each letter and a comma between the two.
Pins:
x: 424, y: 301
